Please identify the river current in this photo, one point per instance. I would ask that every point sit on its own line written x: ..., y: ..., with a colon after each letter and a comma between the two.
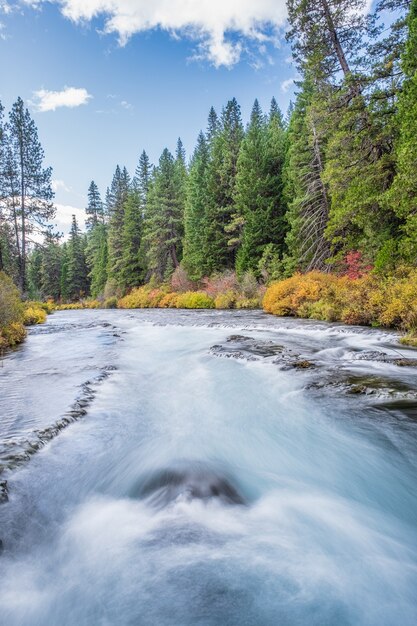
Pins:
x: 207, y: 468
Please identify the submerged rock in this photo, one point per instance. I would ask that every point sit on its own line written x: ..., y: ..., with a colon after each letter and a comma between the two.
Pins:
x: 4, y: 492
x: 185, y: 482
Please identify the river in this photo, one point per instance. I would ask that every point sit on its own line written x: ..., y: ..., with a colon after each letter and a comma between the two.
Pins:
x: 201, y: 467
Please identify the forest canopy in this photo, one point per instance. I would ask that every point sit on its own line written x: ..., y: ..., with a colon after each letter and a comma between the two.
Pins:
x: 335, y: 177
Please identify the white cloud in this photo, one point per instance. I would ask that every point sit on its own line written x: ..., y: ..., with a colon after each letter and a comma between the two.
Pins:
x: 63, y: 218
x: 5, y: 7
x: 126, y: 105
x: 287, y: 84
x: 59, y: 185
x: 221, y: 28
x: 68, y: 97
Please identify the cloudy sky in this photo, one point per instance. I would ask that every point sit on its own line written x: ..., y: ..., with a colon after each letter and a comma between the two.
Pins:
x: 106, y: 78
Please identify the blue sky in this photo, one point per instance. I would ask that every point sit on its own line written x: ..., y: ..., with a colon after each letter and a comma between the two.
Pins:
x: 103, y: 84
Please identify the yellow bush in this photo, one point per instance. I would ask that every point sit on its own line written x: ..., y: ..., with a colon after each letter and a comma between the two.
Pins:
x: 12, y: 334
x: 169, y: 301
x: 33, y: 315
x: 286, y: 296
x: 248, y: 303
x: 226, y: 300
x: 409, y: 340
x: 11, y: 307
x: 93, y: 304
x: 48, y: 306
x: 194, y: 300
x: 400, y: 301
x: 369, y: 300
x: 138, y: 298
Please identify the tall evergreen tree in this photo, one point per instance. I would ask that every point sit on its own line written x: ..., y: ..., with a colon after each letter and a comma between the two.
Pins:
x: 76, y: 272
x: 306, y: 195
x: 402, y: 197
x: 34, y: 274
x: 95, y: 207
x: 258, y: 193
x: 164, y: 217
x: 142, y: 177
x: 133, y: 264
x: 32, y: 200
x: 195, y: 210
x: 213, y: 125
x: 97, y: 259
x: 50, y: 269
x: 116, y: 200
x: 221, y: 188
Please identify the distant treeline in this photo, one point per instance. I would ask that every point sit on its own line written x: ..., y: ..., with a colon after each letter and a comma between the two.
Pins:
x: 336, y: 177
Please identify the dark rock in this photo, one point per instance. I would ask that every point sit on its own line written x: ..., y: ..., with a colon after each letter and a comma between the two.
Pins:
x: 4, y: 492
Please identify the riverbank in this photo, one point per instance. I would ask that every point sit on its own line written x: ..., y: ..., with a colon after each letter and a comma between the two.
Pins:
x: 369, y: 300
x: 366, y: 300
x: 15, y: 314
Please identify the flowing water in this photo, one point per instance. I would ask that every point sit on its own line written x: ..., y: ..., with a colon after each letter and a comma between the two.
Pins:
x: 217, y: 468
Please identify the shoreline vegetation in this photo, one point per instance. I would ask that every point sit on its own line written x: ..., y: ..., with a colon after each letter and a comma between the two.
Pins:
x: 353, y: 298
x: 311, y: 213
x: 15, y: 314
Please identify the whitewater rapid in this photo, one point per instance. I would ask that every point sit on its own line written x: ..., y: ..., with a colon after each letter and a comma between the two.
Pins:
x: 311, y: 425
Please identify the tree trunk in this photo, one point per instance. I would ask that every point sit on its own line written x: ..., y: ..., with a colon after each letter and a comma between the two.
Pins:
x: 335, y: 39
x: 22, y: 277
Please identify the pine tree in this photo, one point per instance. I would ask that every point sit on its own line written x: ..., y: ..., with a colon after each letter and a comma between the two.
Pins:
x: 97, y: 259
x: 33, y: 196
x: 95, y: 208
x: 133, y: 263
x: 402, y: 197
x: 142, y: 177
x: 8, y: 250
x: 164, y: 217
x: 34, y: 274
x: 258, y: 193
x: 212, y: 125
x: 50, y: 269
x: 327, y: 37
x: 64, y: 285
x: 305, y: 193
x: 195, y: 210
x: 116, y: 200
x: 221, y: 188
x: 77, y: 274
x: 181, y: 175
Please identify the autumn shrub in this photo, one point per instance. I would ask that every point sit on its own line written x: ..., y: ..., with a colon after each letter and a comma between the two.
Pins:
x: 11, y: 307
x: 287, y: 296
x: 226, y: 300
x: 69, y: 306
x: 248, y: 303
x: 367, y: 299
x: 249, y: 286
x: 410, y: 339
x: 137, y: 299
x: 399, y: 307
x: 48, y: 306
x: 195, y: 300
x: 95, y: 304
x: 12, y: 330
x: 12, y: 334
x: 169, y: 301
x: 33, y: 315
x: 180, y: 281
x: 220, y: 283
x: 142, y: 298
